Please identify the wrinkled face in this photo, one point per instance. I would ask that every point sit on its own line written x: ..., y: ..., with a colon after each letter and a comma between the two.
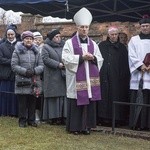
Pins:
x: 83, y: 31
x: 113, y: 35
x: 38, y: 41
x: 57, y: 38
x: 145, y: 28
x: 28, y: 41
x: 123, y: 38
x: 10, y: 35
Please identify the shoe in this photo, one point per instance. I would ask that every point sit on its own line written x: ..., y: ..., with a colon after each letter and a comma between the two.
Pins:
x: 57, y: 122
x: 50, y: 122
x: 33, y: 124
x: 22, y: 124
x: 54, y: 121
x: 136, y: 128
x: 86, y: 132
x: 63, y: 121
x: 75, y: 132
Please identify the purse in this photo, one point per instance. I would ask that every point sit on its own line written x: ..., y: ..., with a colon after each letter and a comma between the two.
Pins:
x: 22, y: 81
x: 146, y: 60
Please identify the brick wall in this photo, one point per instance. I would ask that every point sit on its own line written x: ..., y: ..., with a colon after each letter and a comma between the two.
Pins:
x: 98, y: 31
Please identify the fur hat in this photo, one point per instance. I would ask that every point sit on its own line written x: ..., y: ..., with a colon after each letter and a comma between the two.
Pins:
x: 27, y: 34
x: 145, y: 19
x: 52, y: 33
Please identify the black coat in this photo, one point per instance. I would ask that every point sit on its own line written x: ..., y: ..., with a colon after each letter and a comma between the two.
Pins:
x: 114, y: 77
x: 6, y: 51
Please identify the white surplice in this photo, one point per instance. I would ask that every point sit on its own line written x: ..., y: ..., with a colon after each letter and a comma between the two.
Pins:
x: 138, y: 48
x: 71, y: 62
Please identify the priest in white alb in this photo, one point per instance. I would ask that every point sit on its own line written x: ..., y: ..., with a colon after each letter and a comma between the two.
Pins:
x: 139, y: 49
x: 83, y: 61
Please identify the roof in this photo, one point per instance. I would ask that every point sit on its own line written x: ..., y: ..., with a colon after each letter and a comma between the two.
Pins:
x: 102, y: 10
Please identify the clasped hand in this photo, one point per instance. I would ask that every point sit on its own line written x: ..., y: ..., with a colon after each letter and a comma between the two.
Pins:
x: 29, y: 72
x: 88, y: 56
x: 61, y: 66
x: 144, y: 68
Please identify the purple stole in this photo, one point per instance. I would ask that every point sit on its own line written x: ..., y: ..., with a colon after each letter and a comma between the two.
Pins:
x: 81, y: 82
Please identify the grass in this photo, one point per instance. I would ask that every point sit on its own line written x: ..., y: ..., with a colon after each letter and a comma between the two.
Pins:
x: 47, y: 137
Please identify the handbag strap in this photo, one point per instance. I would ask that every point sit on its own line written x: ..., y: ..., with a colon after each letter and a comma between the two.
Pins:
x: 36, y: 60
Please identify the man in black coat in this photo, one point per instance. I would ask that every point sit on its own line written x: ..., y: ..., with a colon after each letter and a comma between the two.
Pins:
x: 114, y: 77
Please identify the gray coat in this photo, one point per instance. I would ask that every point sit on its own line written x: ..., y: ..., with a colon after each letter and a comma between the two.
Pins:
x: 23, y: 59
x: 54, y: 83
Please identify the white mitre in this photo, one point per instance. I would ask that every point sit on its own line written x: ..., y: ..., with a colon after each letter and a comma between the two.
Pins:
x: 83, y: 17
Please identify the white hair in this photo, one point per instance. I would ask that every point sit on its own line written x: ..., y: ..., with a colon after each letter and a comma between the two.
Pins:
x: 112, y: 29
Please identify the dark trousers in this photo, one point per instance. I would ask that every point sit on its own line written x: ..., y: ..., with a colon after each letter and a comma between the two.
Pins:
x: 27, y: 104
x: 143, y: 121
x: 80, y: 118
x: 39, y: 105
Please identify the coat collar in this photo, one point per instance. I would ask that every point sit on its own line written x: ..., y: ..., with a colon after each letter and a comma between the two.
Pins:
x: 22, y: 49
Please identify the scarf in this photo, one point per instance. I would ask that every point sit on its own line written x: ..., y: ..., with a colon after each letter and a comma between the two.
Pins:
x: 81, y: 81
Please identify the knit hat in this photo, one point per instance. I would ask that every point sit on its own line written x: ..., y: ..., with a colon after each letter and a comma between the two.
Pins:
x: 37, y: 34
x: 52, y: 33
x: 12, y: 26
x: 27, y: 34
x: 10, y: 30
x: 145, y: 19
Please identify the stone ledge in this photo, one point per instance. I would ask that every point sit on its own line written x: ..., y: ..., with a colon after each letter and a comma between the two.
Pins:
x: 124, y: 132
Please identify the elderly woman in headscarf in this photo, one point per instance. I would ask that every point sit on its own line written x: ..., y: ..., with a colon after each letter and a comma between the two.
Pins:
x: 28, y: 66
x: 54, y: 110
x: 8, y: 101
x: 14, y: 28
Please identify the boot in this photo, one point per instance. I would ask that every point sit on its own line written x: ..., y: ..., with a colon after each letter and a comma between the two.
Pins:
x: 22, y: 122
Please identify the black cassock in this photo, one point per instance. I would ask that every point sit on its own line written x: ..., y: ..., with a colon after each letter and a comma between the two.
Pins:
x: 114, y: 78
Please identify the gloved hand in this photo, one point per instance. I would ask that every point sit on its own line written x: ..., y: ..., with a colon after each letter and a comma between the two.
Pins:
x: 29, y: 73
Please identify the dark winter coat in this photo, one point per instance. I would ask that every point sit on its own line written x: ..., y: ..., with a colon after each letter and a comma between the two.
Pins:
x: 114, y: 76
x: 54, y: 83
x: 24, y: 58
x: 6, y: 51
